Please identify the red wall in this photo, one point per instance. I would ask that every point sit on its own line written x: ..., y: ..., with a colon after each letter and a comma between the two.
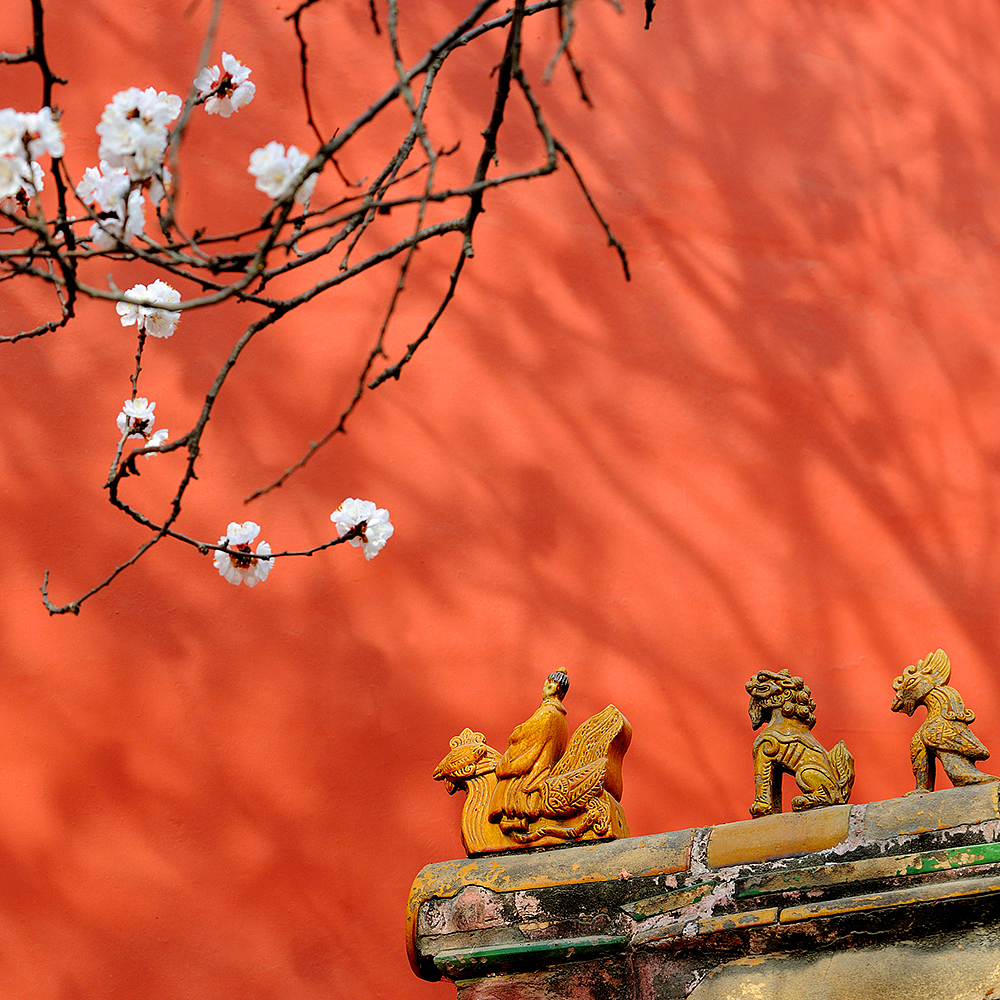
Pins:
x: 778, y: 446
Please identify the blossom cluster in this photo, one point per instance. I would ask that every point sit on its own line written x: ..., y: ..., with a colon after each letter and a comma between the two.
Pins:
x: 25, y: 136
x: 145, y: 314
x: 134, y: 139
x: 227, y: 91
x: 136, y: 421
x: 133, y: 130
x: 119, y: 203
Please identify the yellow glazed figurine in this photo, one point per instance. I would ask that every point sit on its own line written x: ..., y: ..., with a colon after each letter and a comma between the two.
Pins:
x: 532, y: 751
x: 782, y: 703
x: 545, y: 788
x: 945, y: 733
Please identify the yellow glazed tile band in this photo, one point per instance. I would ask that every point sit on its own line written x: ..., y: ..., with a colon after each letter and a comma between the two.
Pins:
x: 883, y: 900
x: 777, y: 836
x: 735, y: 921
x: 929, y: 811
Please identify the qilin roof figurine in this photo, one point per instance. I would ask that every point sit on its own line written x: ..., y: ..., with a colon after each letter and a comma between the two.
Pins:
x: 945, y: 735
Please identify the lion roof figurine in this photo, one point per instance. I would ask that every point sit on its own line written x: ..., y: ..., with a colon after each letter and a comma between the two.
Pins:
x: 784, y: 705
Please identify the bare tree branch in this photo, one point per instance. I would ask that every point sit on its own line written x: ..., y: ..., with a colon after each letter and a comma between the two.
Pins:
x: 330, y: 243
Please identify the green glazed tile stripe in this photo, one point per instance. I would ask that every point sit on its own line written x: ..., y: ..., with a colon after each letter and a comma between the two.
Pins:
x: 935, y: 892
x: 540, y: 951
x: 871, y: 868
x: 927, y: 893
x: 675, y: 900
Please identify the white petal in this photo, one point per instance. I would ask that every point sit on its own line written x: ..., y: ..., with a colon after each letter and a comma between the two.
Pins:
x: 243, y: 95
x: 207, y: 79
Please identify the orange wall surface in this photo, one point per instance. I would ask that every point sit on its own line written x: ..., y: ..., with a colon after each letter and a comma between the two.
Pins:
x: 777, y: 446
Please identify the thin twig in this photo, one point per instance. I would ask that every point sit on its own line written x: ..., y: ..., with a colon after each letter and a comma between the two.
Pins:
x: 612, y: 239
x: 378, y: 350
x: 509, y: 66
x: 138, y: 363
x: 177, y: 132
x: 567, y: 25
x: 295, y: 17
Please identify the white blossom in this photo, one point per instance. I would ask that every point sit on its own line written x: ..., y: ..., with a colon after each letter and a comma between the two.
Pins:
x: 120, y: 204
x: 104, y: 186
x: 30, y: 134
x: 18, y: 176
x: 137, y: 417
x: 136, y: 421
x: 278, y: 172
x: 42, y: 134
x: 11, y: 175
x: 146, y: 158
x: 24, y: 136
x: 157, y: 185
x: 240, y: 564
x: 155, y: 322
x: 133, y: 130
x: 155, y: 440
x: 377, y: 531
x: 122, y: 225
x: 11, y: 132
x: 36, y: 183
x: 233, y: 87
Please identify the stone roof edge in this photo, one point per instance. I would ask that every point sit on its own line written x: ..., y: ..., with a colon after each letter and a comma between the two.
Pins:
x: 716, y: 855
